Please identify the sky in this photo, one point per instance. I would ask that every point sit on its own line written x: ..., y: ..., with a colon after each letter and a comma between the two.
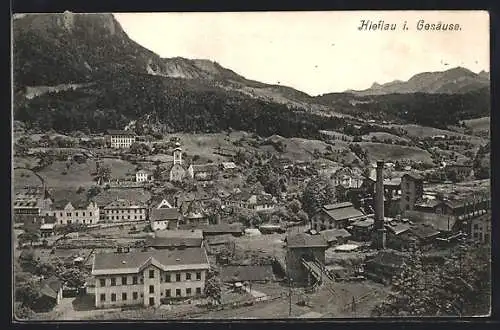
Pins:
x: 317, y: 52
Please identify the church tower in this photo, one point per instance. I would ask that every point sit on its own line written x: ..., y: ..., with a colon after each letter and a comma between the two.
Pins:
x: 178, y: 154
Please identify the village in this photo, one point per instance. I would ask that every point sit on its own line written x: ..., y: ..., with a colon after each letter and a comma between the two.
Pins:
x: 123, y: 226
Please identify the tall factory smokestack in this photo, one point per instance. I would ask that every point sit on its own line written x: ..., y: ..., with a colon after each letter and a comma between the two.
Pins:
x: 379, y: 207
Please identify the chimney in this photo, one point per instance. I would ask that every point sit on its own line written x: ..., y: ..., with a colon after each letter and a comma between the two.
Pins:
x: 379, y: 207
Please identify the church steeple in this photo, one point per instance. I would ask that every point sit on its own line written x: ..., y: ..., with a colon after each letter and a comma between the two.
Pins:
x: 178, y: 154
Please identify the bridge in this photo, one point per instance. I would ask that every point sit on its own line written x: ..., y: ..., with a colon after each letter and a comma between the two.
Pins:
x: 319, y: 272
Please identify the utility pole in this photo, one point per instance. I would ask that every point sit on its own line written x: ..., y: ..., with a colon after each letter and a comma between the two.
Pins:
x: 290, y: 280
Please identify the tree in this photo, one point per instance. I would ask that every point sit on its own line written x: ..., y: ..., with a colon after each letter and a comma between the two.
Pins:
x: 93, y: 191
x: 302, y: 217
x: 295, y: 206
x: 103, y: 174
x: 28, y: 294
x: 30, y: 236
x: 318, y: 192
x: 139, y: 149
x: 73, y: 277
x: 459, y: 287
x: 213, y: 287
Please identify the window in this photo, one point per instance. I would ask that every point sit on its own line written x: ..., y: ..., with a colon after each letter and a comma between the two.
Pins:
x: 177, y: 277
x: 177, y: 292
x: 151, y: 301
x: 102, y: 282
x: 167, y: 278
x: 103, y: 297
x: 151, y: 289
x: 113, y: 281
x: 124, y: 296
x: 476, y: 226
x: 198, y: 291
x: 76, y: 213
x: 151, y: 274
x: 68, y: 214
x: 124, y: 280
x: 113, y: 297
x: 168, y: 293
x: 83, y: 213
x: 134, y: 280
x: 198, y: 276
x: 134, y: 295
x: 188, y: 291
x: 188, y: 276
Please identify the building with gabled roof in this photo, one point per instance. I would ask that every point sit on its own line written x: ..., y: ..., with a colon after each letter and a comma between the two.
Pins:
x: 120, y: 139
x: 203, y: 172
x: 333, y: 216
x: 124, y: 210
x: 33, y: 223
x: 73, y: 211
x: 160, y: 218
x: 149, y: 278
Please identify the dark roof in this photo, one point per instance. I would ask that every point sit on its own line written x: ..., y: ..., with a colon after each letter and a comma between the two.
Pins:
x: 246, y: 273
x: 164, y: 214
x: 337, y: 206
x: 414, y: 176
x: 116, y: 261
x: 223, y: 228
x: 205, y: 168
x: 364, y: 222
x: 159, y: 242
x: 34, y: 222
x: 437, y: 222
x: 219, y: 239
x: 50, y: 287
x: 429, y: 203
x: 124, y: 204
x: 388, y: 258
x: 423, y: 231
x: 342, y: 211
x: 398, y: 228
x: 305, y: 240
x: 119, y: 132
x: 331, y: 235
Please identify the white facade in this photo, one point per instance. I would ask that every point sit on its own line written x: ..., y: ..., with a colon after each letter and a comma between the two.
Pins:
x: 148, y: 284
x: 69, y: 214
x: 141, y: 176
x: 159, y: 224
x: 121, y: 141
x: 124, y: 211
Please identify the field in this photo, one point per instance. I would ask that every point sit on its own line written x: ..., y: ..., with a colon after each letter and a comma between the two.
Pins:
x: 381, y: 136
x: 417, y: 131
x: 393, y: 152
x: 77, y: 175
x: 482, y: 123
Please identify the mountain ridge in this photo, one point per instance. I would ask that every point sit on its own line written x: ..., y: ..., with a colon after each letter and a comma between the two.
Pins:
x: 457, y: 80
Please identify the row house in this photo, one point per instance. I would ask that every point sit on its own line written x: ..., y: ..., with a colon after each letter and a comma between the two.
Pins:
x: 149, y: 278
x: 119, y: 139
x: 124, y: 210
x: 66, y: 212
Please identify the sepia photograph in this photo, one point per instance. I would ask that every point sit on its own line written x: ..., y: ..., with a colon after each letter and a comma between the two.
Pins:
x: 250, y: 165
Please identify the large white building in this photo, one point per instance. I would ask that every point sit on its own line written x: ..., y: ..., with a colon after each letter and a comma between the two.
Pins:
x: 149, y: 278
x: 124, y: 210
x: 66, y: 212
x: 120, y: 139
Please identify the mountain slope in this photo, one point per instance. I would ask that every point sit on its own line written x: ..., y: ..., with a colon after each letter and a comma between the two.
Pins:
x: 454, y: 81
x: 88, y: 47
